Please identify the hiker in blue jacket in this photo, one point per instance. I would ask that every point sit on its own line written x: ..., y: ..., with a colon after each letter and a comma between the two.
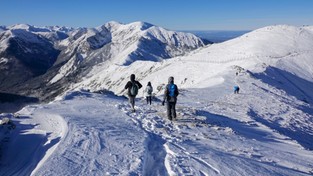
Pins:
x: 133, y: 86
x: 170, y: 96
x: 236, y: 89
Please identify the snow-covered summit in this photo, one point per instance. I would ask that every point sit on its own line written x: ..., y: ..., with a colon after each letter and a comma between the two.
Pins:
x: 23, y: 33
x: 272, y: 45
x: 268, y: 42
x: 114, y: 25
x: 3, y: 28
x: 60, y: 29
x: 84, y: 49
x: 25, y: 52
x: 121, y: 44
x: 53, y: 33
x: 22, y: 26
x: 288, y: 48
x: 127, y: 40
x: 36, y: 29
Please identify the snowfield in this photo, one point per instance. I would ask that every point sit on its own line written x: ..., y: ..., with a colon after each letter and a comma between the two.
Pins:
x: 261, y: 131
x: 266, y: 129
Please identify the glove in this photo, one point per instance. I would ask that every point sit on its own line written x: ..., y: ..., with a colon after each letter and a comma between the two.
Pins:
x: 163, y: 103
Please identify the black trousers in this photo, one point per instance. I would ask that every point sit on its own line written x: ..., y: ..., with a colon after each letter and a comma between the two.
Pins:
x: 149, y: 99
x: 171, y: 110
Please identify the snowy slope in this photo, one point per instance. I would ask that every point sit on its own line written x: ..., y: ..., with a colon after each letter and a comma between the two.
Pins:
x: 285, y: 47
x: 266, y: 129
x: 58, y: 57
x: 32, y: 34
x: 3, y: 28
x: 53, y: 33
x: 24, y: 54
x: 261, y: 131
x: 120, y: 44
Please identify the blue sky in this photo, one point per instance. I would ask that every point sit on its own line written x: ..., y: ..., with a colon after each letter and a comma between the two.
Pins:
x: 170, y: 14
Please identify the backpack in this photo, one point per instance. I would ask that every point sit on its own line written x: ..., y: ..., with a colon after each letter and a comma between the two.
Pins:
x: 171, y: 90
x: 134, y: 89
x: 149, y: 90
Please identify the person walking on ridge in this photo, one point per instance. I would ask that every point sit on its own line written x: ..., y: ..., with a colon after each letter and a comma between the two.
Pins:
x: 170, y: 96
x: 133, y: 86
x: 236, y: 89
x: 148, y: 91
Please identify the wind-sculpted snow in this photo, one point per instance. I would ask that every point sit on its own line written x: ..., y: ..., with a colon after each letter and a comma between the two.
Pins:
x: 260, y: 131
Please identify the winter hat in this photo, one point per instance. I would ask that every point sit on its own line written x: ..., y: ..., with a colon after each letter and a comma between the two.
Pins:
x: 171, y: 79
x: 132, y: 77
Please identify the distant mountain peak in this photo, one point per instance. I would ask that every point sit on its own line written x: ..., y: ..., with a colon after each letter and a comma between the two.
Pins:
x: 20, y: 26
x: 142, y: 25
x: 134, y: 25
x: 3, y: 28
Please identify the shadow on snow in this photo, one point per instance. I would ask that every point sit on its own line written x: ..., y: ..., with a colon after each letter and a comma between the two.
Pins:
x: 10, y: 103
x: 303, y: 138
x: 247, y: 130
x: 19, y: 147
x: 290, y: 83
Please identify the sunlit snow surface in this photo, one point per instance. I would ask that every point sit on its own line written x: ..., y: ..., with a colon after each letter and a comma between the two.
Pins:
x: 266, y: 129
x: 261, y: 131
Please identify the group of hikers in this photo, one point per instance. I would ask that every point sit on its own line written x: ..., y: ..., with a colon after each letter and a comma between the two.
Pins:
x: 170, y: 94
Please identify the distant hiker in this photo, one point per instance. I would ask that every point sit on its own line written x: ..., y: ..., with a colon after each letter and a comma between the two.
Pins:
x: 170, y: 96
x: 236, y: 89
x: 133, y: 86
x: 148, y: 91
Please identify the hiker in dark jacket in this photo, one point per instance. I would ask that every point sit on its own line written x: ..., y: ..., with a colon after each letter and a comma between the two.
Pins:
x: 133, y: 86
x: 148, y: 92
x: 170, y: 97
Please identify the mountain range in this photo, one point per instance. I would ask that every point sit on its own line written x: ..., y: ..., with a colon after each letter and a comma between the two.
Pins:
x: 45, y: 61
x: 285, y: 48
x: 266, y: 129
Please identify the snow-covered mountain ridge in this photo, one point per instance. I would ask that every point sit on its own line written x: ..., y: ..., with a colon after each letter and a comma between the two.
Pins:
x: 123, y: 44
x: 266, y: 129
x: 74, y: 52
x: 24, y: 54
x: 103, y: 57
x: 266, y: 43
x: 284, y: 47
